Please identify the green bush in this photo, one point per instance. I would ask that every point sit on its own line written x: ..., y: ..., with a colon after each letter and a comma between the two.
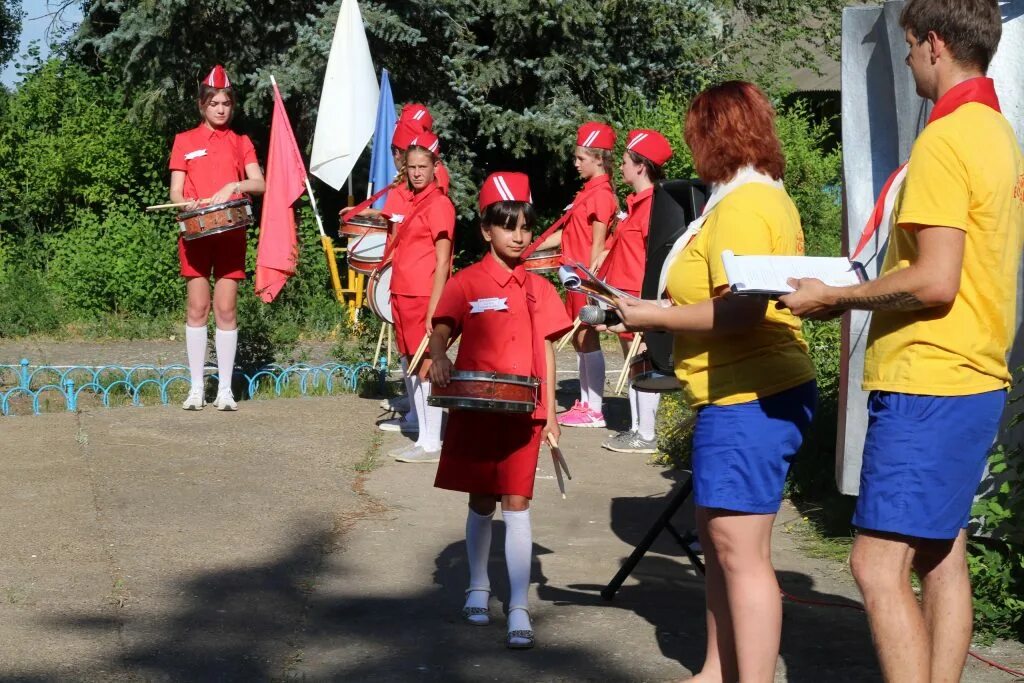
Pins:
x: 26, y: 304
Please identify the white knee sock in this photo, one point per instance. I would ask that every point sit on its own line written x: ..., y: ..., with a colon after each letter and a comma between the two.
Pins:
x: 518, y: 552
x: 409, y: 391
x: 594, y: 363
x: 633, y: 410
x: 647, y: 413
x: 478, y: 551
x: 430, y: 420
x: 581, y: 368
x: 225, y: 343
x: 195, y: 349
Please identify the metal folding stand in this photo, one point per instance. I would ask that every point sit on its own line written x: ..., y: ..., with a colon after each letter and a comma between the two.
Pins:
x: 664, y: 521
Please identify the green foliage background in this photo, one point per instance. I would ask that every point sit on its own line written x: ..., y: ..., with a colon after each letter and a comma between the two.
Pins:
x: 84, y: 141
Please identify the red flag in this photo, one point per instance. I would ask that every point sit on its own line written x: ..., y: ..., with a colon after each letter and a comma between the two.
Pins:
x: 277, y: 250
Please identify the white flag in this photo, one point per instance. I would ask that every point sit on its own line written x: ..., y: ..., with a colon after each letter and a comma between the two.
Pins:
x: 348, y: 101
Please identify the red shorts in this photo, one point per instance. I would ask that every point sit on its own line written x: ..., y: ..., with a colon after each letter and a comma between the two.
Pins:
x: 489, y: 453
x: 410, y: 314
x: 628, y: 336
x: 574, y: 301
x: 222, y: 254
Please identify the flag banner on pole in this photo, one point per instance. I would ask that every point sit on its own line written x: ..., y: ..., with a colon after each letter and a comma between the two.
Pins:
x: 348, y: 101
x: 277, y: 250
x: 382, y: 164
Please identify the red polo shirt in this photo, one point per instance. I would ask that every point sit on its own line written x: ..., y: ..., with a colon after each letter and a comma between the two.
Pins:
x: 211, y: 159
x: 488, y: 304
x: 430, y: 217
x: 595, y: 202
x: 627, y: 258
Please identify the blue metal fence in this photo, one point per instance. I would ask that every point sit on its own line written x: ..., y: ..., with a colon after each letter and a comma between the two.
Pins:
x: 67, y: 382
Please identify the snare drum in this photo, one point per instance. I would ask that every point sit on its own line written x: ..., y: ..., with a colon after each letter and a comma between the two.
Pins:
x: 490, y: 391
x: 544, y: 260
x: 356, y: 226
x: 366, y: 252
x: 378, y: 293
x: 645, y: 377
x: 215, y: 219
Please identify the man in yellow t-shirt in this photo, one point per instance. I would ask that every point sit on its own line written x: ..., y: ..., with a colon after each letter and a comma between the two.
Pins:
x: 944, y: 319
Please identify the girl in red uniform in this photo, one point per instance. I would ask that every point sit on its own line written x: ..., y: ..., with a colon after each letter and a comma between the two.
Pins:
x: 421, y: 258
x: 211, y: 164
x: 582, y: 240
x: 508, y: 319
x: 623, y: 262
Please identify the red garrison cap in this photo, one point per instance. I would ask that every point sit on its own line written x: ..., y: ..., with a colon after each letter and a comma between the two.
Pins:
x: 505, y: 186
x: 218, y: 78
x: 428, y: 140
x: 405, y: 131
x: 650, y: 144
x: 597, y: 135
x: 417, y: 113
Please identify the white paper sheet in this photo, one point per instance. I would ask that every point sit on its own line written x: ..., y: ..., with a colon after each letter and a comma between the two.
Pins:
x: 769, y: 274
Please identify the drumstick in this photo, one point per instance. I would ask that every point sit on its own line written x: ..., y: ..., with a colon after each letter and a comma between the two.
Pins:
x: 175, y: 205
x: 559, y: 462
x: 633, y: 347
x: 561, y: 458
x: 418, y: 356
x: 568, y: 335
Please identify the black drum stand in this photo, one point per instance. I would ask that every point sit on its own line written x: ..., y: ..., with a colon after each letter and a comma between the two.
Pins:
x: 664, y: 521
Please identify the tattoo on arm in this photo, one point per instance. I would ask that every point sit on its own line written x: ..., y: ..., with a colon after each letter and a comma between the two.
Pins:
x: 896, y: 301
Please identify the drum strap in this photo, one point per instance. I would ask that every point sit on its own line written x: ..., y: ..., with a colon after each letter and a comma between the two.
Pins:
x: 583, y: 194
x: 536, y: 347
x: 389, y: 250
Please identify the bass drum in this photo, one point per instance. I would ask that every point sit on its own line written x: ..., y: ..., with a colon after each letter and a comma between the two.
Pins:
x: 378, y: 293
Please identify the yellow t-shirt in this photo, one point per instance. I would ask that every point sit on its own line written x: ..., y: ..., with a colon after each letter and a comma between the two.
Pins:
x: 966, y: 172
x: 753, y: 219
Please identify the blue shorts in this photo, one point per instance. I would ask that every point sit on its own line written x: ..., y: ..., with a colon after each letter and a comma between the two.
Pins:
x: 742, y: 453
x: 924, y: 457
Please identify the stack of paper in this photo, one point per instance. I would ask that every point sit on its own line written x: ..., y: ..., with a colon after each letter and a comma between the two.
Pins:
x: 767, y: 275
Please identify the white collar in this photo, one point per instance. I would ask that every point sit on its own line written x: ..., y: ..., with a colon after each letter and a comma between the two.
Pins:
x: 719, y: 191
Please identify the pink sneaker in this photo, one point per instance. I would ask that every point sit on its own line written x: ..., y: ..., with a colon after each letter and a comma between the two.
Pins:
x: 577, y: 416
x: 596, y: 418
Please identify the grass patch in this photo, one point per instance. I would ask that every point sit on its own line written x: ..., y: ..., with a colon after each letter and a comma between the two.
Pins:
x: 371, y: 459
x: 823, y: 530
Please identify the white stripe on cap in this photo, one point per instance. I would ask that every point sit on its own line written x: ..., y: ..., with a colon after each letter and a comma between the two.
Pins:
x: 591, y: 138
x: 634, y: 141
x: 499, y: 185
x: 433, y: 147
x: 506, y: 193
x: 418, y: 115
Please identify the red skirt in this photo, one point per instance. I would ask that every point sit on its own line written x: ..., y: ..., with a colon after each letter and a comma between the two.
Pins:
x: 574, y: 301
x: 489, y: 453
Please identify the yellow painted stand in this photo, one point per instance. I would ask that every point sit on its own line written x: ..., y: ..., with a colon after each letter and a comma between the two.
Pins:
x: 352, y: 295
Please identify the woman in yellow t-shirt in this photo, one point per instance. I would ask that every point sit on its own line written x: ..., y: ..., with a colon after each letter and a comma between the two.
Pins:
x: 744, y: 367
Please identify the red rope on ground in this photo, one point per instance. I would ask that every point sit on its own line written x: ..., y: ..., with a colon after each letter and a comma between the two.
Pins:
x: 860, y: 608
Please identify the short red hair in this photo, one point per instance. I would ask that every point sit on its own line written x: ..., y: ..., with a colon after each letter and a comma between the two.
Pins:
x: 730, y: 126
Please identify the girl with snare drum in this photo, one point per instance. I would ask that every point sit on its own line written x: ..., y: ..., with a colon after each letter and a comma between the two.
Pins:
x: 211, y: 165
x: 582, y: 240
x: 508, y: 319
x: 421, y: 264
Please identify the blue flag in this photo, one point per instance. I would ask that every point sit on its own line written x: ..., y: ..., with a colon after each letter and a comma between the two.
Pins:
x: 382, y: 165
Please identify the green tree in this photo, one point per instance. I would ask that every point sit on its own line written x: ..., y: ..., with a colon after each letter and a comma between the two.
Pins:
x: 10, y: 28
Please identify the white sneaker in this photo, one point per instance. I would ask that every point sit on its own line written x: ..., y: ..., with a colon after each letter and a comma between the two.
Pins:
x: 194, y: 400
x: 399, y: 424
x: 419, y: 454
x: 396, y: 404
x: 225, y: 401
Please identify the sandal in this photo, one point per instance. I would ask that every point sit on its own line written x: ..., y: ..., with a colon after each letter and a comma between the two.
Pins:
x: 477, y: 616
x: 520, y: 639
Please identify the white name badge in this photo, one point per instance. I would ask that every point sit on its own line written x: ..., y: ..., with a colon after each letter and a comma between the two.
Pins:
x: 489, y: 304
x: 195, y: 155
x: 622, y: 215
x: 397, y: 218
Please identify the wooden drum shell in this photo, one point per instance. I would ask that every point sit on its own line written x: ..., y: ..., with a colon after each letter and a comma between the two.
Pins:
x: 487, y: 391
x: 215, y: 219
x: 544, y: 260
